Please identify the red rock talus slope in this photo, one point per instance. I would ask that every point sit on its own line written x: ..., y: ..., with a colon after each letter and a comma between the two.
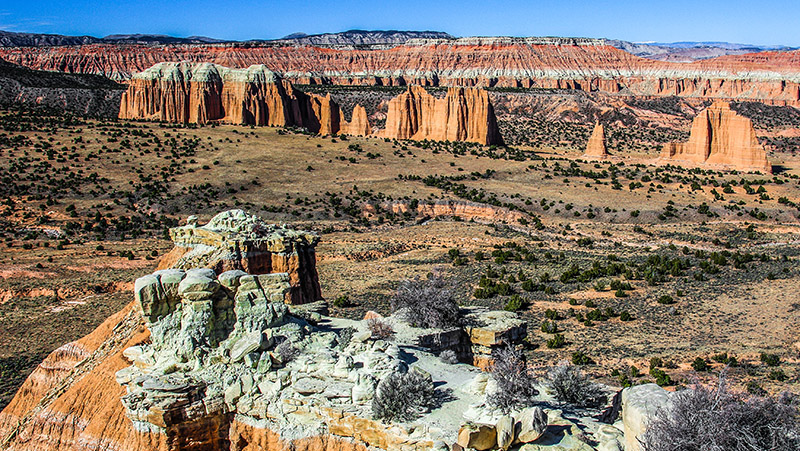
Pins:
x: 464, y: 114
x: 584, y: 64
x: 596, y: 147
x: 720, y: 137
x: 202, y: 92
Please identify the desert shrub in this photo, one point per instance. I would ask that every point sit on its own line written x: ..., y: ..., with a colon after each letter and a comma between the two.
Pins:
x: 552, y: 314
x: 341, y: 301
x: 580, y: 358
x: 656, y: 362
x: 702, y: 418
x: 403, y: 396
x: 515, y: 382
x: 514, y: 303
x: 666, y: 299
x: 558, y: 341
x: 700, y: 364
x: 770, y: 359
x: 379, y: 329
x: 549, y: 327
x: 777, y: 374
x: 625, y: 316
x: 287, y: 351
x: 662, y: 378
x: 568, y: 384
x: 429, y: 303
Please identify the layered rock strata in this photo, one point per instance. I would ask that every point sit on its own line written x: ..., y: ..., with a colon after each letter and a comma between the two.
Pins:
x: 464, y: 114
x: 550, y: 63
x: 237, y: 240
x: 596, y: 146
x: 484, y: 332
x: 720, y: 138
x: 200, y: 93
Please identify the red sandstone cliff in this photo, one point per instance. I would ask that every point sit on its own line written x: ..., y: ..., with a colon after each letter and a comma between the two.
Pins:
x: 464, y: 114
x: 586, y: 65
x: 720, y: 137
x: 200, y: 93
x: 359, y: 123
x: 596, y: 147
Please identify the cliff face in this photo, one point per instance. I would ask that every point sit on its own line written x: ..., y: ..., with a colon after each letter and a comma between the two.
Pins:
x: 200, y: 93
x: 596, y: 147
x: 588, y: 65
x: 722, y: 138
x: 465, y: 114
x: 359, y: 123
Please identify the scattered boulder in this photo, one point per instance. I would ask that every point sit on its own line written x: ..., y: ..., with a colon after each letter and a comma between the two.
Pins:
x: 505, y: 432
x: 531, y: 424
x: 640, y: 404
x: 481, y: 437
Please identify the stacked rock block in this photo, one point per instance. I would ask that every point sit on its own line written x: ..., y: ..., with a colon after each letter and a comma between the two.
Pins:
x: 237, y: 240
x: 484, y: 332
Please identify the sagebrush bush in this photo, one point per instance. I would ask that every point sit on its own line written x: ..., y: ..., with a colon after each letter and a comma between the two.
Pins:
x: 567, y: 383
x: 515, y: 382
x: 403, y: 396
x: 429, y: 303
x: 702, y: 418
x: 379, y: 329
x: 287, y: 351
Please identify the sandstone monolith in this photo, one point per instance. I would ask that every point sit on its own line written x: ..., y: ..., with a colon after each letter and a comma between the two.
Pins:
x: 720, y: 138
x: 464, y: 114
x: 596, y: 147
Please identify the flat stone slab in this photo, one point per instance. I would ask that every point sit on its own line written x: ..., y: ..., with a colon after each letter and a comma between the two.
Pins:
x: 309, y: 386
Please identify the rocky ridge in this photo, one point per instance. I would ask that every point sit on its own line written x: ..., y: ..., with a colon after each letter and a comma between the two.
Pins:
x: 464, y: 114
x: 83, y: 94
x: 201, y: 93
x: 720, y: 138
x: 550, y: 63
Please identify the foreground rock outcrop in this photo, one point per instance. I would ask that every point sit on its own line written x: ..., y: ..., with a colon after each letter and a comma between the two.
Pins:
x: 551, y: 63
x: 720, y: 138
x: 596, y: 147
x: 202, y: 361
x: 236, y: 240
x: 205, y: 360
x: 464, y: 114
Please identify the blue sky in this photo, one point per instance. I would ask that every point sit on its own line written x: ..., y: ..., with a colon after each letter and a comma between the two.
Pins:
x: 764, y: 22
